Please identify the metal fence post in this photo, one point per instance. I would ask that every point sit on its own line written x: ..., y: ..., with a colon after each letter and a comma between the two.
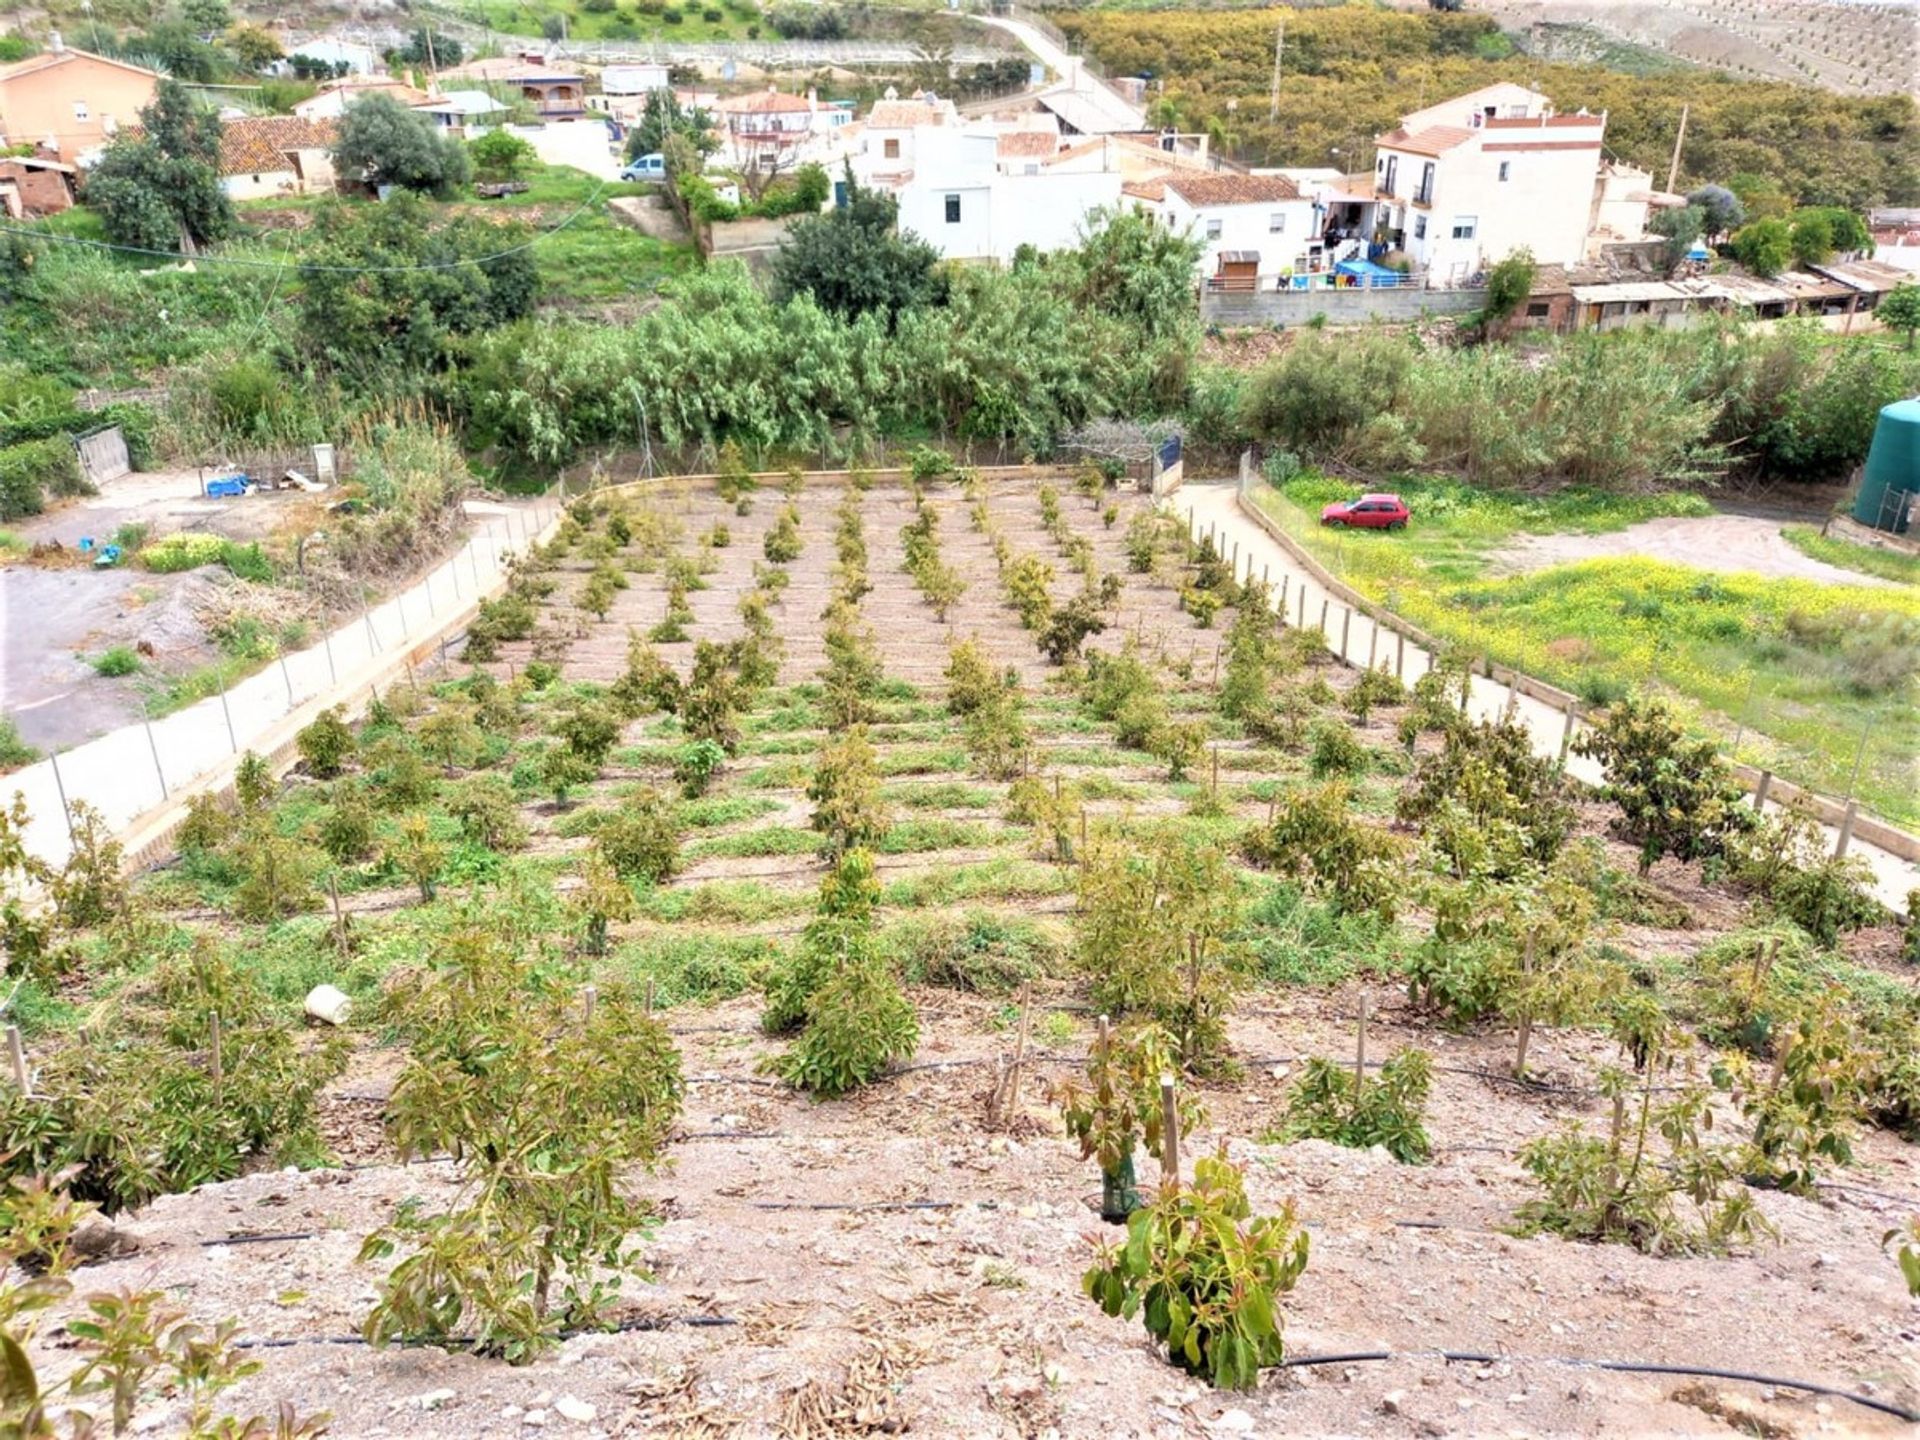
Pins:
x: 154, y: 746
x: 1566, y: 734
x: 1325, y: 602
x: 373, y: 640
x: 474, y: 561
x: 333, y: 675
x: 1846, y: 830
x: 1346, y: 633
x: 1400, y: 657
x: 1373, y: 645
x: 232, y: 739
x: 66, y: 806
x: 287, y: 676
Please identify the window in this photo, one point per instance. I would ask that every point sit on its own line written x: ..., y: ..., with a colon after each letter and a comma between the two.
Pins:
x: 1538, y: 309
x: 1464, y: 226
x: 1277, y: 223
x: 1424, y: 195
x: 953, y: 209
x: 80, y: 110
x: 1393, y: 172
x: 1213, y: 229
x: 891, y: 149
x: 1419, y: 227
x: 1506, y: 169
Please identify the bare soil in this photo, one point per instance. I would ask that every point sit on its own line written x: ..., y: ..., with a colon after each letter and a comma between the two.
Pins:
x: 887, y: 1264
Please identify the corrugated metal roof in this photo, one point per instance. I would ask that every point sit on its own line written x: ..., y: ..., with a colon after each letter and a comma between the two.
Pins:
x: 1628, y: 291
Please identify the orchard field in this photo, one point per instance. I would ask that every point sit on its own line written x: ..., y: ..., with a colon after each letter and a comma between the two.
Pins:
x: 729, y: 935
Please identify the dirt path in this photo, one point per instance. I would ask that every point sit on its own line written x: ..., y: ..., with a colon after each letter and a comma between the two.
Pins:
x: 1708, y: 542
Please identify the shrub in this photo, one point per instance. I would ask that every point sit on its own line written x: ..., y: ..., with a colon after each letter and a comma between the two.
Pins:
x: 1676, y: 796
x: 972, y: 681
x: 710, y: 701
x: 1335, y: 1103
x: 1068, y: 627
x: 1613, y: 1189
x: 858, y: 1022
x: 548, y: 1111
x: 696, y: 765
x: 32, y: 471
x: 1315, y: 836
x: 1787, y: 861
x: 1206, y: 1279
x: 488, y: 816
x: 845, y: 791
x: 325, y: 744
x: 1028, y: 581
x: 1158, y: 936
x: 641, y: 840
x: 115, y: 663
x: 142, y: 1116
x: 1507, y: 798
x: 1333, y: 749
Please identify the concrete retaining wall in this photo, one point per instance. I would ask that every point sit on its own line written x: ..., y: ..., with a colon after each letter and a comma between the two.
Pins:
x: 1341, y: 307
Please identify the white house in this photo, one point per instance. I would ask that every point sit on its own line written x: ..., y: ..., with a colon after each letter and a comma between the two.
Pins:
x: 359, y: 59
x: 889, y: 137
x: 331, y: 100
x: 1249, y: 226
x: 464, y: 110
x: 636, y: 79
x: 267, y: 155
x: 766, y: 126
x: 970, y: 205
x: 1460, y: 185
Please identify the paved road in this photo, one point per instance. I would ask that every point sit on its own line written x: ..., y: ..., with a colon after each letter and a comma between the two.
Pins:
x: 1354, y: 636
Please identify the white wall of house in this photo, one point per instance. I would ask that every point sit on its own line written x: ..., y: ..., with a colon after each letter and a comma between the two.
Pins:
x: 1279, y: 231
x: 960, y: 202
x: 260, y: 187
x: 1503, y: 99
x: 1492, y: 195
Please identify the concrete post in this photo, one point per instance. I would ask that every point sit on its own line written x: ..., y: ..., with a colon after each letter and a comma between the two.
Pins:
x: 1325, y: 602
x: 1566, y: 734
x: 232, y: 739
x: 1846, y: 830
x: 154, y: 746
x: 1346, y: 633
x: 60, y: 786
x: 333, y: 675
x: 1760, y: 792
x: 1400, y: 657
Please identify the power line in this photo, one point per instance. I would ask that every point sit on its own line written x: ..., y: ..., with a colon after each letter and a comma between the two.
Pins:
x: 248, y: 262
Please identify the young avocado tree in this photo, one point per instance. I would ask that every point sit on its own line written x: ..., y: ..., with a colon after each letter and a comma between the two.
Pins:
x: 1119, y: 1107
x: 1676, y: 795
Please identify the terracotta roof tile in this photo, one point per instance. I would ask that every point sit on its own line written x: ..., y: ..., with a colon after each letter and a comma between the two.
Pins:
x: 764, y: 102
x: 905, y: 115
x: 1035, y: 143
x: 1227, y: 188
x: 1154, y: 190
x: 1434, y: 140
x: 258, y: 144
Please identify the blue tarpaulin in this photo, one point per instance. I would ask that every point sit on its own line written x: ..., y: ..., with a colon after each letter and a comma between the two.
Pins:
x: 1369, y: 274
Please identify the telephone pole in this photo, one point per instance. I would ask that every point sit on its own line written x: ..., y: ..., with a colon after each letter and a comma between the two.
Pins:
x: 1673, y: 170
x: 1279, y: 50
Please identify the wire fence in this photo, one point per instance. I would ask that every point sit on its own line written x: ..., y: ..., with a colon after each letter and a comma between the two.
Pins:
x: 136, y: 774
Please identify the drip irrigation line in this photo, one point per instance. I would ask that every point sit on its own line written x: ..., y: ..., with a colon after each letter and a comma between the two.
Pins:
x: 867, y: 1205
x: 1625, y: 1367
x: 468, y: 1342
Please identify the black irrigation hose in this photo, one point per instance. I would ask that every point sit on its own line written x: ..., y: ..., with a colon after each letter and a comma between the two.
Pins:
x: 467, y: 1342
x: 869, y: 1205
x: 1627, y: 1367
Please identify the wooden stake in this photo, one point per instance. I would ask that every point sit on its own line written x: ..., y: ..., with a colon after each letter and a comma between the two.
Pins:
x: 1526, y: 1019
x: 1360, y: 1050
x: 17, y: 1053
x: 1083, y: 835
x: 1216, y: 667
x: 339, y: 916
x: 219, y: 1066
x: 589, y: 997
x: 1019, y: 1054
x: 1169, y: 1132
x: 1400, y: 657
x: 649, y: 995
x: 1216, y: 769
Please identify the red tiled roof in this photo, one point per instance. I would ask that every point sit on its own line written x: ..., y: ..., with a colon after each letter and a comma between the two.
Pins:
x: 1226, y: 188
x: 1434, y: 140
x: 764, y: 102
x: 905, y: 115
x: 1155, y: 190
x: 1036, y: 143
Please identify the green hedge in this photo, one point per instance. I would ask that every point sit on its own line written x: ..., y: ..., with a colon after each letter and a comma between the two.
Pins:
x: 29, y: 472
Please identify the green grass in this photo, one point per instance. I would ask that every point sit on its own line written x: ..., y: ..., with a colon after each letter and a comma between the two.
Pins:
x: 116, y: 662
x: 1866, y: 559
x: 1785, y: 662
x: 769, y: 840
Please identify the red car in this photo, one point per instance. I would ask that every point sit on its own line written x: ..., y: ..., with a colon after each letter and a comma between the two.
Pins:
x: 1378, y: 512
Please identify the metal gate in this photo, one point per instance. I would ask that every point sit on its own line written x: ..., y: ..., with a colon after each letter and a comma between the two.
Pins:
x: 103, y: 454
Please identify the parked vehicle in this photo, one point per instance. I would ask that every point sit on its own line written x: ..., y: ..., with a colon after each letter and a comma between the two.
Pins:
x: 646, y: 167
x: 1375, y: 512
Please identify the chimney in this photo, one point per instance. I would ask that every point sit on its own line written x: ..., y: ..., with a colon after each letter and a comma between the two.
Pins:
x: 55, y: 44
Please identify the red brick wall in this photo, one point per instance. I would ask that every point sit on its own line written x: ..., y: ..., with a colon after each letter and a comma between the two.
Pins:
x: 43, y: 192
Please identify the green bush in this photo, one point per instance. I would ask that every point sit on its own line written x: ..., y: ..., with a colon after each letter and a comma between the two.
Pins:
x: 116, y: 662
x: 35, y: 469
